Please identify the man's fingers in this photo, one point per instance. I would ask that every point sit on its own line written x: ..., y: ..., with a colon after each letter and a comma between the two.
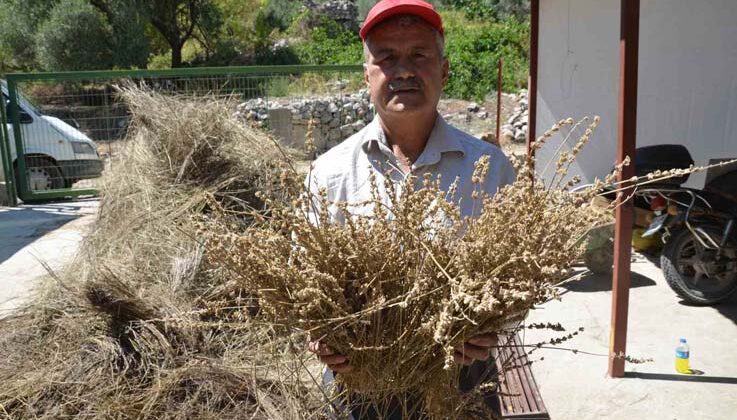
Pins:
x: 341, y: 367
x: 486, y: 340
x: 319, y: 348
x: 334, y: 359
x: 336, y: 362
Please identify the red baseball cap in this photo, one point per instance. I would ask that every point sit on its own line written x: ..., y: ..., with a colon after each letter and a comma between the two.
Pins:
x: 388, y: 8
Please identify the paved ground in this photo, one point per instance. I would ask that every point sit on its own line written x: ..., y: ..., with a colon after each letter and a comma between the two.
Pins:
x: 575, y: 386
x: 34, y: 233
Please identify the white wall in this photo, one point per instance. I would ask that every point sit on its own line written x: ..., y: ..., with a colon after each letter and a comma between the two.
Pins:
x: 687, y: 76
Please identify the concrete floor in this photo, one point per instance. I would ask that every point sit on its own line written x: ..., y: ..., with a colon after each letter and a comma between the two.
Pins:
x: 575, y: 386
x: 31, y: 234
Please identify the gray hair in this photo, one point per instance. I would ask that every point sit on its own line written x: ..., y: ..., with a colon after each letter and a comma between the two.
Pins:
x: 408, y: 20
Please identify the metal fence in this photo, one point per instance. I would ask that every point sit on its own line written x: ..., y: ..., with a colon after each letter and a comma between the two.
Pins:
x: 62, y: 130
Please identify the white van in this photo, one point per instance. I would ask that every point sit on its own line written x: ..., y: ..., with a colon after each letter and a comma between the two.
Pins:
x: 57, y: 154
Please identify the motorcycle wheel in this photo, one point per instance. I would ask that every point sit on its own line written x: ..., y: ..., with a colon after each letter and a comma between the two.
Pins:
x: 694, y: 272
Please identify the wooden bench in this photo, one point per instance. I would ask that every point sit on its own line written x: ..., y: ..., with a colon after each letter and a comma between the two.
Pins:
x: 519, y: 397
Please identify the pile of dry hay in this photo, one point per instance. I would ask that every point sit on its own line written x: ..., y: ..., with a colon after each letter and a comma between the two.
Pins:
x: 397, y: 290
x: 136, y: 327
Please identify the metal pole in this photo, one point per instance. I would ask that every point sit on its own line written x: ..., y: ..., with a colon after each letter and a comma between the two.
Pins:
x: 626, y: 142
x: 499, y: 68
x: 532, y: 80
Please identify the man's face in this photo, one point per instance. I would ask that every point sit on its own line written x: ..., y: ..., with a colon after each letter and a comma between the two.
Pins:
x: 404, y: 70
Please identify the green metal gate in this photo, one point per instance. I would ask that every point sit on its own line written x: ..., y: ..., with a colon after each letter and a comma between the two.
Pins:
x: 7, y: 193
x: 65, y: 128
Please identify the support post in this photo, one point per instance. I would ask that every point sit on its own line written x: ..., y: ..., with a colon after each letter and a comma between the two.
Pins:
x: 626, y: 143
x: 532, y: 79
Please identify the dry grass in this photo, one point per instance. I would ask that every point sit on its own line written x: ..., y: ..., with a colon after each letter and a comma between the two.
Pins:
x: 136, y: 326
x: 397, y: 290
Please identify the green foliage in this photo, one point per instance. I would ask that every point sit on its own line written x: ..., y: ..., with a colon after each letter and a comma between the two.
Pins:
x: 74, y: 37
x: 179, y: 21
x: 38, y: 34
x: 277, y: 87
x: 475, y: 9
x: 520, y: 9
x: 474, y: 50
x: 491, y: 9
x: 130, y: 45
x: 160, y: 61
x: 99, y: 34
x: 19, y: 22
x: 239, y: 18
x: 331, y: 43
x: 279, y: 14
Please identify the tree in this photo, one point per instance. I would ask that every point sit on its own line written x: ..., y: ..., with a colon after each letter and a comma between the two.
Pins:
x: 75, y: 36
x: 177, y: 20
x: 128, y: 20
x: 53, y: 34
x: 19, y: 22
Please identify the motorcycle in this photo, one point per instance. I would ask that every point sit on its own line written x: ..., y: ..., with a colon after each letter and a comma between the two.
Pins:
x: 697, y: 228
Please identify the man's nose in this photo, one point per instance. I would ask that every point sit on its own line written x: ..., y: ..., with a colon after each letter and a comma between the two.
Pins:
x: 404, y: 68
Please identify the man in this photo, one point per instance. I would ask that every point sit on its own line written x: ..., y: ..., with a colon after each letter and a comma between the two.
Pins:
x: 405, y: 70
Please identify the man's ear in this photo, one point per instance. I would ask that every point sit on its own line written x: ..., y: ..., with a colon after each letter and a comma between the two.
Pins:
x: 446, y: 70
x: 365, y: 75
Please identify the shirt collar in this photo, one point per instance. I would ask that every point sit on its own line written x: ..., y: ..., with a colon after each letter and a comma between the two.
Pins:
x: 442, y: 140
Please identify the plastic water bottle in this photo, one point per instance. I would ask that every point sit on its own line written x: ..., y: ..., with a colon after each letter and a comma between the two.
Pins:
x: 682, y: 354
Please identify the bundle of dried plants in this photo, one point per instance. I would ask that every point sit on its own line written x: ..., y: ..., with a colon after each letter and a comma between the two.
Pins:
x: 397, y: 288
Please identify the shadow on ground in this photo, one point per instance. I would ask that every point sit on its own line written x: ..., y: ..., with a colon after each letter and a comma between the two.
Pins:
x: 590, y: 282
x: 19, y: 226
x: 681, y: 378
x: 728, y: 308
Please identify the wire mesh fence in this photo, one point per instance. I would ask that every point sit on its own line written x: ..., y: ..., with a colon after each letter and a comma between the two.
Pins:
x: 69, y: 127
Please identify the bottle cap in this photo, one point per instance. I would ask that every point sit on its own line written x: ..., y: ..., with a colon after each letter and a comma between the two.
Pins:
x: 682, y: 340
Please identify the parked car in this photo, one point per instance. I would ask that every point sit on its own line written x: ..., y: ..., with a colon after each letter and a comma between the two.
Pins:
x: 57, y: 154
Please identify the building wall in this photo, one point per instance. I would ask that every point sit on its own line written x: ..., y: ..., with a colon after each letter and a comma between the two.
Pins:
x: 687, y: 77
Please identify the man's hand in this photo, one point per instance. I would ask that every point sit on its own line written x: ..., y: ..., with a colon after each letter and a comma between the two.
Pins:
x: 336, y: 362
x: 477, y: 348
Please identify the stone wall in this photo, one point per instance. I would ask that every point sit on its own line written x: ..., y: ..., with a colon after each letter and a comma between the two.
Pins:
x: 516, y: 127
x: 335, y: 118
x: 344, y: 12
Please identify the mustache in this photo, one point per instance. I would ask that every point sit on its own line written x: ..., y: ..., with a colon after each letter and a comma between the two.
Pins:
x: 404, y: 84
